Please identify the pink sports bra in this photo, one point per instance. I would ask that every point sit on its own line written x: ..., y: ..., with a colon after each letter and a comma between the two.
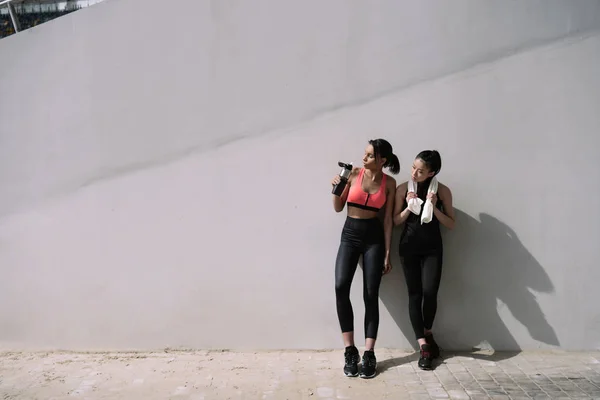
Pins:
x: 357, y: 197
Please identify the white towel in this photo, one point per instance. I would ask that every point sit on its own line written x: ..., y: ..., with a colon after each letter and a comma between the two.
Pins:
x: 428, y: 208
x: 414, y: 204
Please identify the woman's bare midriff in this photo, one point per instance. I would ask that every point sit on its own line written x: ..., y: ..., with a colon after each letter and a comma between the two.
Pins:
x: 354, y: 212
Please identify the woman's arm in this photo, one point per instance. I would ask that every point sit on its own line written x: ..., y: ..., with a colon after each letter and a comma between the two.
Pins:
x: 340, y: 201
x: 388, y: 222
x: 400, y: 213
x: 447, y: 217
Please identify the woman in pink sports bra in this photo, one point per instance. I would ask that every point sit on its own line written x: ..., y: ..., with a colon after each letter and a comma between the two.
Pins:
x: 368, y: 191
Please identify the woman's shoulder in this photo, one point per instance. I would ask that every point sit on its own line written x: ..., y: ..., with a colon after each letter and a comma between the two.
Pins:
x: 443, y: 190
x: 403, y: 186
x: 390, y: 180
x: 354, y: 174
x: 390, y: 184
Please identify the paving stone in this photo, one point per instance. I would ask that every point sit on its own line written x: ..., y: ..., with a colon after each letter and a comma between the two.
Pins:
x: 454, y: 387
x: 480, y: 397
x: 464, y: 377
x: 473, y: 393
x: 472, y: 387
x: 420, y: 397
x: 458, y: 394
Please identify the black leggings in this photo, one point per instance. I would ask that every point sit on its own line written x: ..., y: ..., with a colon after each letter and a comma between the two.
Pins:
x: 423, y: 274
x: 360, y: 237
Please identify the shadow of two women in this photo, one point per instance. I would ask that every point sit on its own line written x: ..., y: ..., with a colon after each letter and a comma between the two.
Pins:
x: 486, y: 267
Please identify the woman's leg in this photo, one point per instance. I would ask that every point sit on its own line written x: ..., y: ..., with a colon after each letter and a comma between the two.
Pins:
x: 373, y: 260
x: 432, y: 275
x: 345, y: 267
x: 412, y: 274
x: 432, y: 272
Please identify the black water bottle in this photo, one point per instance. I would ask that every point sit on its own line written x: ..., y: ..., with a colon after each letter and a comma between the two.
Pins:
x: 344, y: 175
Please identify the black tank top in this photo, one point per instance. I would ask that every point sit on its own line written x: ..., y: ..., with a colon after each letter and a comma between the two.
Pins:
x: 420, y: 238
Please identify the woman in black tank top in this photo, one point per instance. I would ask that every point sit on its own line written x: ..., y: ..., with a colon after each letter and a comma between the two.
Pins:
x: 421, y: 248
x: 417, y: 238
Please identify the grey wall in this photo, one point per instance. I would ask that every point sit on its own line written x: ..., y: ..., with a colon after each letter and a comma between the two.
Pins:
x: 170, y: 187
x: 125, y: 89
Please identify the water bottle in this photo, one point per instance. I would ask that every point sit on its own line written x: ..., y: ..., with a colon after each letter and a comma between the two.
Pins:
x: 344, y: 175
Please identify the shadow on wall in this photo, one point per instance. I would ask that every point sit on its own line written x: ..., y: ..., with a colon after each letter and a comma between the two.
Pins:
x: 484, y: 262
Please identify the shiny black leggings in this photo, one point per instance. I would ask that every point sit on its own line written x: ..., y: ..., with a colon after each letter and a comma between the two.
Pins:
x: 360, y: 237
x: 422, y: 274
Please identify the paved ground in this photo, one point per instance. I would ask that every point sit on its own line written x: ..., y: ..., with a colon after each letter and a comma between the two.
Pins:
x: 294, y: 375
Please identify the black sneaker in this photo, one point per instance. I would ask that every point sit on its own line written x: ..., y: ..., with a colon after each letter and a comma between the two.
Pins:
x: 434, y: 348
x: 369, y: 365
x: 425, y: 361
x: 351, y: 358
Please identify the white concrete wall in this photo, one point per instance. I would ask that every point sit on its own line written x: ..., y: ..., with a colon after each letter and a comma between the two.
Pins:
x: 170, y: 187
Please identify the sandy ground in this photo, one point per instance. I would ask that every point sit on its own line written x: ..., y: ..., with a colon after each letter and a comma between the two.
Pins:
x: 293, y: 375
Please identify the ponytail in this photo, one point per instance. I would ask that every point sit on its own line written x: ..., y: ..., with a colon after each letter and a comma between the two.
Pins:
x: 393, y: 164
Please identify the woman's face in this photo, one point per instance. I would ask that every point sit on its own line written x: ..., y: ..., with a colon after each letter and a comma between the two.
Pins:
x: 420, y: 172
x: 370, y: 161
